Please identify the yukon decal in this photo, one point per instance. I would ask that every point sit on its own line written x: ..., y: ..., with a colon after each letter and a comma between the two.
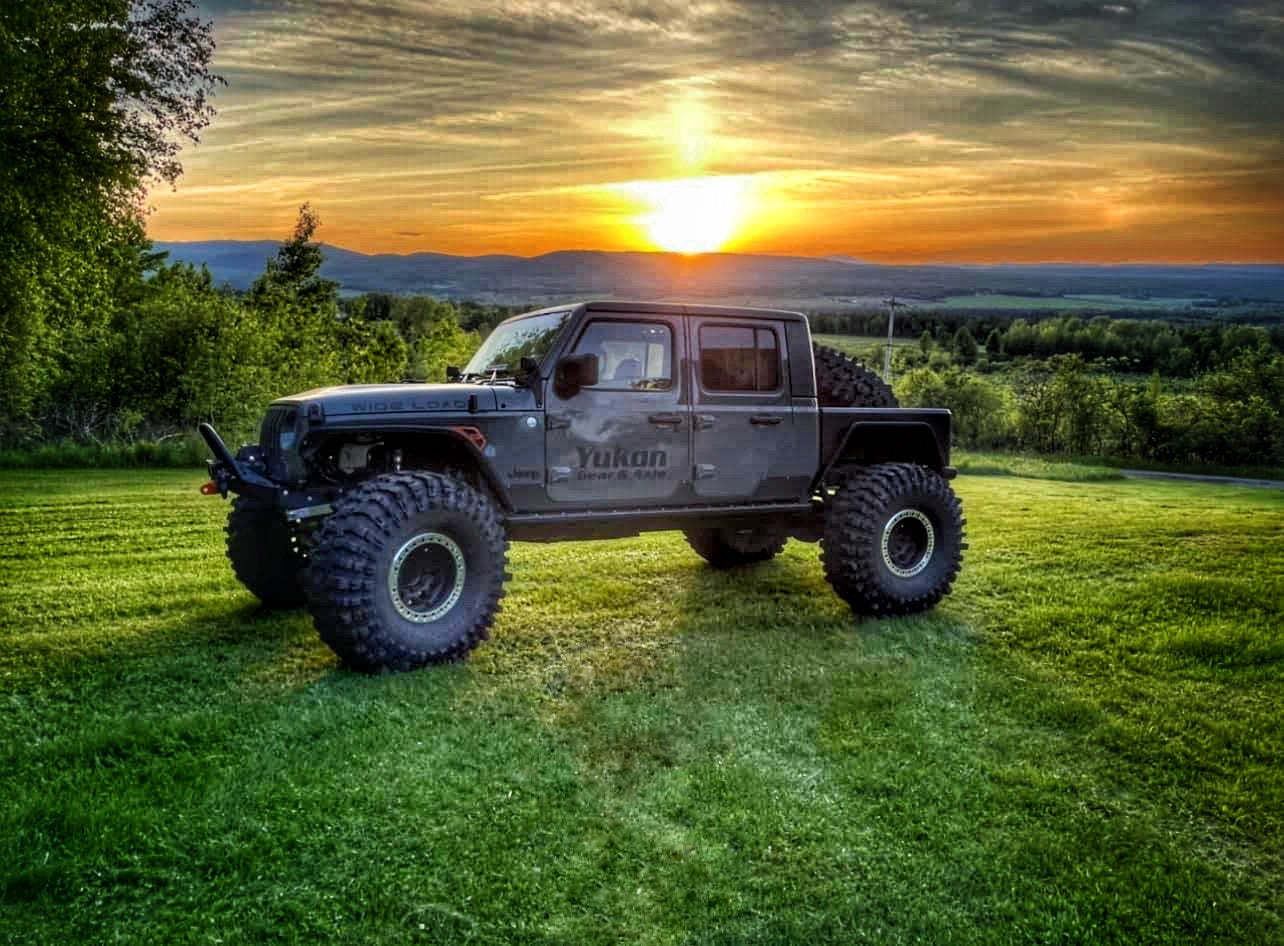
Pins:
x: 622, y: 463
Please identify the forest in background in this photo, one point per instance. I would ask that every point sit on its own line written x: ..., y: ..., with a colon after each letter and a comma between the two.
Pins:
x: 1129, y: 391
x: 171, y: 350
x: 114, y: 354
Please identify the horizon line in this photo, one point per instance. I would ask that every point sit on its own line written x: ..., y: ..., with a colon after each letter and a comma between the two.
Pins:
x: 831, y: 257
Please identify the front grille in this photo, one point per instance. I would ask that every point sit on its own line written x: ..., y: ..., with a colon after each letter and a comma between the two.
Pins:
x: 278, y: 419
x: 284, y: 465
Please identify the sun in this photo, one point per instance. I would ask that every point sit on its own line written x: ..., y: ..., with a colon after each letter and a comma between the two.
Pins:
x: 693, y: 214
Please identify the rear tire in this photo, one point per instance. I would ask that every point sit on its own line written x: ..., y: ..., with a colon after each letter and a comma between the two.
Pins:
x: 844, y: 382
x: 265, y: 554
x: 729, y: 547
x: 407, y: 571
x: 893, y: 539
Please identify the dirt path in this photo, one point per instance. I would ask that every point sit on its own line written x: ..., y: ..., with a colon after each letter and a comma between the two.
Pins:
x: 1202, y: 478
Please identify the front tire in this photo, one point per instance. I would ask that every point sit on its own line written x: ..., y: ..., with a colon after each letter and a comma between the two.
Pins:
x: 407, y: 571
x: 729, y: 547
x: 265, y: 554
x: 893, y: 539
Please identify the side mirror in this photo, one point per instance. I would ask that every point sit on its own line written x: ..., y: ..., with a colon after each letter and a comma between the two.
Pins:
x: 574, y: 372
x: 453, y: 373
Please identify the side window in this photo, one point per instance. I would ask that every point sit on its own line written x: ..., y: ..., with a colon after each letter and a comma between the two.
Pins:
x: 631, y: 356
x: 735, y: 358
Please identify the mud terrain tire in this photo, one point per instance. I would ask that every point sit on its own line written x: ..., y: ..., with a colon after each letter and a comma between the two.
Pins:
x: 893, y: 539
x: 844, y: 382
x: 729, y: 547
x: 407, y: 571
x: 265, y: 554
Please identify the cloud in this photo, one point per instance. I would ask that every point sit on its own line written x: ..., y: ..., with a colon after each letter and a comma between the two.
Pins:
x: 443, y: 105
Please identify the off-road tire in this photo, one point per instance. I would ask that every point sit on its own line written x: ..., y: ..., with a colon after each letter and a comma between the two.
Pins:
x: 265, y: 554
x: 729, y: 547
x: 893, y: 539
x: 407, y: 571
x: 844, y: 382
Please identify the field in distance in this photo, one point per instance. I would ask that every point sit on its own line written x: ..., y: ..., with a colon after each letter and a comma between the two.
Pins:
x: 1083, y: 744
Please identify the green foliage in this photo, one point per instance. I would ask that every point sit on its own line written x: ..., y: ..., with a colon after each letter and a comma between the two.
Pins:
x: 96, y: 98
x: 443, y: 345
x: 1229, y: 418
x: 965, y: 347
x: 370, y: 352
x: 982, y: 409
x: 1080, y: 746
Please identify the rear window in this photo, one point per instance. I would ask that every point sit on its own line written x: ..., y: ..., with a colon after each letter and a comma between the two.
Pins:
x: 739, y: 358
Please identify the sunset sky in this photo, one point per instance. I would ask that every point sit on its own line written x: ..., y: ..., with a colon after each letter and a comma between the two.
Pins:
x: 889, y: 130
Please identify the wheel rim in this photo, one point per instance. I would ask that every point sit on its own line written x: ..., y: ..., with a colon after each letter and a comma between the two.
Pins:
x: 908, y: 541
x: 426, y: 579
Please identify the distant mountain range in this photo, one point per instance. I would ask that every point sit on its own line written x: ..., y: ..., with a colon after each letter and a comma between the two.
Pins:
x: 807, y: 280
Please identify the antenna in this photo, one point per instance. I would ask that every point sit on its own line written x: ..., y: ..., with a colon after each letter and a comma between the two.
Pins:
x: 892, y: 306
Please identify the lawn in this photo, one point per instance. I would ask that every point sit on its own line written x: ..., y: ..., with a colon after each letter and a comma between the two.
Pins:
x: 1083, y: 744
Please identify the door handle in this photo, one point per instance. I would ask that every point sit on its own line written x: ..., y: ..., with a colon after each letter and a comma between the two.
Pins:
x: 665, y: 419
x: 765, y: 420
x: 704, y: 421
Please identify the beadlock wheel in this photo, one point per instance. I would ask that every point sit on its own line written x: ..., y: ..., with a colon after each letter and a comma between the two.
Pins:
x: 908, y: 542
x: 893, y: 539
x: 407, y: 571
x: 427, y: 577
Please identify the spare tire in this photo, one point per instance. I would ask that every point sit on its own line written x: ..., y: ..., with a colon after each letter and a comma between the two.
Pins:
x: 844, y: 382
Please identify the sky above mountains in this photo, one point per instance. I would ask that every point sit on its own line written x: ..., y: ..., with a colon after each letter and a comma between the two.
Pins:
x: 891, y: 130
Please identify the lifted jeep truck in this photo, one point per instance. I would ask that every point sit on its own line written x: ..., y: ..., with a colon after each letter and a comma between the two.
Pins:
x: 386, y: 510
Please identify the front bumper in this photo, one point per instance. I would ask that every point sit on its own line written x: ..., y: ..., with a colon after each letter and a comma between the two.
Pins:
x: 236, y: 474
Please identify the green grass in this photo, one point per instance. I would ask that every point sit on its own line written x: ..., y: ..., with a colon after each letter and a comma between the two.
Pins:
x: 186, y: 451
x: 1084, y: 744
x: 860, y: 345
x: 985, y: 463
x: 1075, y: 303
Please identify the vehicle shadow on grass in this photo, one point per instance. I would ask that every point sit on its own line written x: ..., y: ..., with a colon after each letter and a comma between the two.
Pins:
x: 798, y: 771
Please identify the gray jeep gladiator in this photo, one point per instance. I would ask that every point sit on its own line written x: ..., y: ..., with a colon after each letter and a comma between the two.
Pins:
x: 386, y: 510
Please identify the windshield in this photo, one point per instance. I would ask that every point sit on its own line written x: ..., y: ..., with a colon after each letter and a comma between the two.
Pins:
x: 504, y: 348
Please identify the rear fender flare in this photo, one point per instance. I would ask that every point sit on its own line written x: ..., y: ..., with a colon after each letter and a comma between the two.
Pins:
x: 868, y: 442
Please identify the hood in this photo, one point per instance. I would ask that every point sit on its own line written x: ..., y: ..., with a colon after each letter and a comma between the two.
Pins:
x: 356, y: 399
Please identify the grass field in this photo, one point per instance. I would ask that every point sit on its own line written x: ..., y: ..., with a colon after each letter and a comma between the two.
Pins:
x: 1075, y: 303
x: 1084, y: 744
x: 860, y: 345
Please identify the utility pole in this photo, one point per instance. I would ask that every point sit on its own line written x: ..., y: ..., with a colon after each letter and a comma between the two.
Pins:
x: 892, y: 306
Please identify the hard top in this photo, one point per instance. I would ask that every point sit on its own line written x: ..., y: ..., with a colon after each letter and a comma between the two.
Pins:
x: 672, y: 308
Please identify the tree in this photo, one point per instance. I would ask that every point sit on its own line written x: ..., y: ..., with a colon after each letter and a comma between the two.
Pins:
x: 98, y: 95
x: 297, y: 310
x: 965, y: 345
x: 96, y: 99
x: 295, y: 274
